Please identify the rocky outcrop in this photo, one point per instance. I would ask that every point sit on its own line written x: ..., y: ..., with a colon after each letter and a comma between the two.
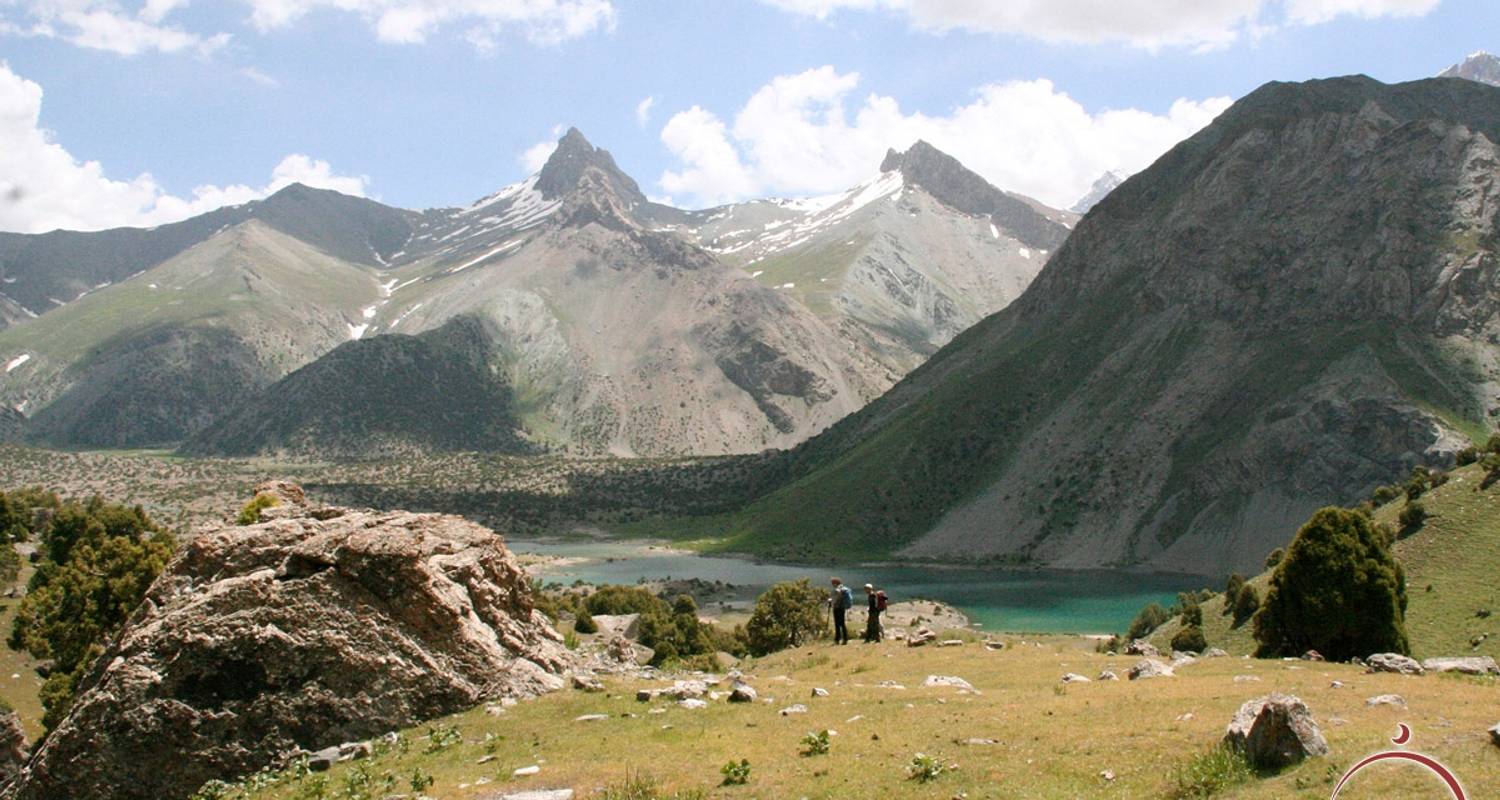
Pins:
x: 12, y: 747
x: 1468, y: 665
x: 1275, y: 731
x: 316, y: 626
x: 1394, y: 662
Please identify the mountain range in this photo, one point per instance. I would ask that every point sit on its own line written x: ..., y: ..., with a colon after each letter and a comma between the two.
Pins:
x: 1289, y: 308
x: 610, y: 324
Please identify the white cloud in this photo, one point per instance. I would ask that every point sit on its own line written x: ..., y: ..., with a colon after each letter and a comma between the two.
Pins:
x: 535, y: 156
x: 643, y: 110
x: 259, y: 77
x: 409, y: 21
x: 1150, y: 24
x: 44, y: 187
x: 106, y: 25
x: 111, y: 25
x: 799, y: 135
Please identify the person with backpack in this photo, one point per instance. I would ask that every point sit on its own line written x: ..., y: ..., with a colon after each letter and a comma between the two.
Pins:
x: 843, y: 600
x: 877, y: 603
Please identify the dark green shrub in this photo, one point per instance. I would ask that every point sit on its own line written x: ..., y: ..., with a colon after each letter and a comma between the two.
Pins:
x: 1246, y: 603
x: 250, y: 514
x: 1148, y: 619
x: 613, y: 600
x: 1493, y: 445
x: 1385, y: 494
x: 789, y: 614
x: 1232, y: 588
x: 1192, y: 614
x: 1189, y: 639
x: 584, y: 622
x: 1412, y: 515
x: 1466, y: 456
x: 1339, y: 591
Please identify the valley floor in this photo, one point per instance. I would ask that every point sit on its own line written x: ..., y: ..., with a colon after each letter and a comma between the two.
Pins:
x: 1124, y: 739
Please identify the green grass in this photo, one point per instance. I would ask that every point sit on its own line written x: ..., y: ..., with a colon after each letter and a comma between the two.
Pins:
x: 808, y: 266
x: 1150, y: 735
x: 1451, y: 565
x: 19, y: 682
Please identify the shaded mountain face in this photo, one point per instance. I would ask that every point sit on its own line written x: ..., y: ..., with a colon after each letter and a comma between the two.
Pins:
x: 1100, y: 190
x: 383, y: 396
x: 1480, y: 66
x: 613, y: 324
x: 1289, y: 308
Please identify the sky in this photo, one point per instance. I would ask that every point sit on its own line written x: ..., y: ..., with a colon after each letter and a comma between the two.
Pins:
x: 140, y: 112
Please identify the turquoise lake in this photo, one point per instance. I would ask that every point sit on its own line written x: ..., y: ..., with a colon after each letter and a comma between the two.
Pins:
x: 1037, y: 601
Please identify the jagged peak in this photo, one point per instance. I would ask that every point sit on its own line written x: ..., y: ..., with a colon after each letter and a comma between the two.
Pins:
x: 575, y: 156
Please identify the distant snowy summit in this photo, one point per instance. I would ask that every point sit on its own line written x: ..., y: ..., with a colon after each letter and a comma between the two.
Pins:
x: 1480, y: 66
x: 1105, y: 184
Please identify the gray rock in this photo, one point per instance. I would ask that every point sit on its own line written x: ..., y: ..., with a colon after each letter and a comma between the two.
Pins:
x: 693, y: 703
x: 1073, y: 677
x: 322, y: 760
x: 534, y: 794
x: 1108, y: 675
x: 587, y: 683
x: 317, y: 625
x: 1150, y: 668
x: 948, y: 680
x: 12, y: 746
x: 1468, y: 665
x: 627, y: 626
x: 354, y: 751
x: 1141, y: 647
x: 742, y: 693
x: 793, y: 709
x: 591, y: 718
x: 1395, y: 700
x: 1394, y: 662
x: 1214, y: 652
x: 1275, y: 731
x: 819, y: 692
x: 919, y: 637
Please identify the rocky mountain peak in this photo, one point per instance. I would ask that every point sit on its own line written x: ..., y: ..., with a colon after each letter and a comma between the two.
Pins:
x: 1481, y: 66
x: 1105, y: 184
x: 574, y: 158
x: 962, y: 189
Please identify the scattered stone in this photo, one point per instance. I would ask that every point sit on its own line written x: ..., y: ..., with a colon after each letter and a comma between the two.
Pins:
x: 322, y: 760
x: 1495, y: 735
x: 1182, y: 660
x: 312, y: 627
x: 976, y: 742
x: 948, y: 680
x: 1108, y: 675
x: 1336, y: 684
x: 525, y: 772
x: 1247, y: 679
x: 485, y: 759
x: 742, y: 693
x: 646, y: 695
x: 591, y: 718
x: 693, y: 703
x: 494, y: 710
x: 1187, y: 717
x: 1150, y: 668
x: 793, y: 709
x: 1395, y: 700
x: 1214, y: 652
x: 1141, y: 647
x: 536, y: 794
x: 890, y: 685
x: 919, y: 637
x: 1313, y: 655
x: 1275, y: 731
x: 587, y: 683
x: 626, y: 626
x: 817, y: 692
x: 1470, y: 665
x: 1107, y: 775
x: 994, y: 645
x: 1394, y: 662
x: 687, y: 690
x: 951, y: 643
x: 354, y: 751
x: 1073, y: 677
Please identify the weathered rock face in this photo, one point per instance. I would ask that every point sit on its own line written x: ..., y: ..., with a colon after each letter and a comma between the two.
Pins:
x: 314, y: 627
x: 1468, y: 665
x: 1275, y: 731
x: 1394, y: 662
x: 12, y: 747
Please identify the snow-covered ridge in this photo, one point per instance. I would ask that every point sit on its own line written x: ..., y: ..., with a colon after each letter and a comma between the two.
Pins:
x: 817, y: 214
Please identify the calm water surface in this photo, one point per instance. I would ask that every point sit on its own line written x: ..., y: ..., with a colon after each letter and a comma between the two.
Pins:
x: 1047, y: 601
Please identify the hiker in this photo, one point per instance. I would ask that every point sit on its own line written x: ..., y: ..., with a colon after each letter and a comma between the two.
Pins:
x: 877, y: 603
x: 843, y: 600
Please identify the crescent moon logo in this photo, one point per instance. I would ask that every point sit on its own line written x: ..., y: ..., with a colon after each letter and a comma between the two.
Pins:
x: 1420, y: 759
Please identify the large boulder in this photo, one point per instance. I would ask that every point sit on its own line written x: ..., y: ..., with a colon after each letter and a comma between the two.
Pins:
x: 1275, y: 731
x: 1148, y: 668
x: 1394, y: 662
x: 1468, y: 665
x: 315, y: 627
x: 12, y: 746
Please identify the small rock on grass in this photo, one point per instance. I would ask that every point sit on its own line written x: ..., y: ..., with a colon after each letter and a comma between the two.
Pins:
x: 1387, y: 700
x: 1394, y: 662
x: 1495, y: 735
x: 526, y: 771
x: 591, y: 718
x: 947, y: 680
x: 1073, y: 677
x: 1150, y: 668
x: 1108, y: 675
x: 1275, y: 731
x: 794, y: 709
x: 535, y: 794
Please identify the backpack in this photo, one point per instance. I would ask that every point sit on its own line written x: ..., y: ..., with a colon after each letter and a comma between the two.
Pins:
x: 881, y: 601
x: 846, y: 597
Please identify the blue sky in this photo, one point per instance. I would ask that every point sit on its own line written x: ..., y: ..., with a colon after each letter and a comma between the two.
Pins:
x: 441, y: 110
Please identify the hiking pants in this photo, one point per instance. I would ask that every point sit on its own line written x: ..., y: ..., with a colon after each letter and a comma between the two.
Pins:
x: 840, y: 630
x: 872, y: 627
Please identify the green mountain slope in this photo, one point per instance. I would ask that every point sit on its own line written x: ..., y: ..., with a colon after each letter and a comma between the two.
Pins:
x: 1284, y: 311
x: 382, y: 396
x: 1450, y: 562
x: 153, y: 359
